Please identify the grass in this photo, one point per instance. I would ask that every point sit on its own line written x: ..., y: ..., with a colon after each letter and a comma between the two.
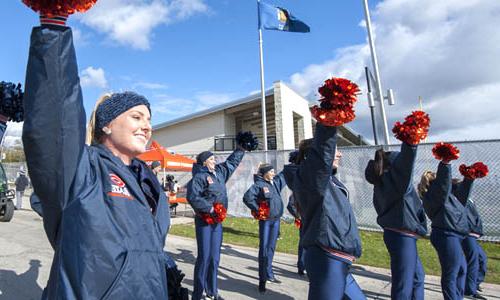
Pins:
x: 245, y: 232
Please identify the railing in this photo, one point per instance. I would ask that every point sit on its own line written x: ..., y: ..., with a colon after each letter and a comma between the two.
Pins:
x: 228, y: 143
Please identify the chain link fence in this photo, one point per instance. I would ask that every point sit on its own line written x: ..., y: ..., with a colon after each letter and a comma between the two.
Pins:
x: 351, y: 173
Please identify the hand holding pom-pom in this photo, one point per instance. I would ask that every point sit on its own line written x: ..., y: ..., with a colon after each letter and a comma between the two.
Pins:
x: 477, y: 170
x: 298, y: 223
x: 445, y: 152
x: 217, y: 216
x: 414, y: 129
x: 263, y: 212
x: 220, y: 212
x: 247, y: 140
x: 53, y: 8
x: 337, y: 105
x: 11, y: 101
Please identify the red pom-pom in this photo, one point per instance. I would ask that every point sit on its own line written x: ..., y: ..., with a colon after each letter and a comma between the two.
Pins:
x: 218, y: 216
x: 263, y: 212
x: 414, y: 129
x: 207, y: 218
x: 445, y: 151
x: 59, y: 7
x: 476, y: 170
x: 337, y: 105
x: 298, y: 223
x: 220, y: 212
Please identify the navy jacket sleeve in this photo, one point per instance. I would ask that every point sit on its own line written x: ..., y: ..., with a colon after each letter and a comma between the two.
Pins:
x: 250, y: 197
x: 54, y: 126
x: 440, y: 188
x: 227, y: 168
x: 403, y: 165
x: 279, y: 181
x: 464, y: 190
x: 314, y: 173
x: 291, y: 207
x: 196, y: 195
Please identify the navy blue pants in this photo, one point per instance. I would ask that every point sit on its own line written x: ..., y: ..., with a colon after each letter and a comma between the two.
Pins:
x: 476, y: 264
x: 209, y: 241
x: 453, y: 264
x: 483, y: 261
x: 301, y: 266
x: 407, y: 271
x: 268, y: 235
x: 329, y: 277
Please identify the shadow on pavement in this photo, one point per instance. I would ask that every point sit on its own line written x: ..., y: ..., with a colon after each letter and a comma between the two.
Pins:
x: 22, y: 286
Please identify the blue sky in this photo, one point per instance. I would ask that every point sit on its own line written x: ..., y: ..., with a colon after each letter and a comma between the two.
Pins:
x: 186, y: 55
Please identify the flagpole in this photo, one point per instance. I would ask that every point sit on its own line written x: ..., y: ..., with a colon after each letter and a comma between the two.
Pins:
x: 378, y: 84
x: 262, y: 87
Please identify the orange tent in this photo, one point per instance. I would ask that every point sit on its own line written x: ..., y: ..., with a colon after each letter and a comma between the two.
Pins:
x: 169, y: 161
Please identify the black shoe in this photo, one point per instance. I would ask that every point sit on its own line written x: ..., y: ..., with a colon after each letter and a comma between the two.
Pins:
x: 478, y: 296
x: 479, y: 289
x: 274, y: 280
x: 301, y: 273
x: 262, y: 287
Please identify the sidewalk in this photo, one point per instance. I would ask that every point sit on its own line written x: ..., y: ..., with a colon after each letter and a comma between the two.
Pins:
x: 26, y: 256
x: 238, y: 275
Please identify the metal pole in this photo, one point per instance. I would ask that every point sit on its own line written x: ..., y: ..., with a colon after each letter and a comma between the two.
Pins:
x: 372, y: 108
x: 262, y: 87
x: 375, y: 69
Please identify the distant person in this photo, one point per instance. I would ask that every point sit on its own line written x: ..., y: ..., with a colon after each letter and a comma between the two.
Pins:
x: 444, y: 202
x: 22, y: 182
x: 474, y: 254
x: 330, y: 231
x: 156, y: 167
x: 263, y: 198
x: 207, y: 194
x: 400, y: 211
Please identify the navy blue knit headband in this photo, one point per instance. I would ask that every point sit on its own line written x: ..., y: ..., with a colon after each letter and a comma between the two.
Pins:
x: 115, y: 105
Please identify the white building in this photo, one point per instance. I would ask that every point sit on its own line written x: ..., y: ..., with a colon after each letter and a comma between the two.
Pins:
x: 288, y: 122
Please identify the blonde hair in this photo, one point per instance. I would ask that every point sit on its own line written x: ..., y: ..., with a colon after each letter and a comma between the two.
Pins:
x: 425, y: 181
x: 94, y: 137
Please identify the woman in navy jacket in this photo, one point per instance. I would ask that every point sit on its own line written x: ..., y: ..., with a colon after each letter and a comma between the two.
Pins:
x: 104, y: 212
x: 330, y: 231
x: 207, y: 187
x: 401, y: 215
x: 445, y: 205
x: 267, y: 188
x: 474, y: 253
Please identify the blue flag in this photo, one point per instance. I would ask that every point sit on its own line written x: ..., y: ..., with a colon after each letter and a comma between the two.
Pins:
x: 277, y: 18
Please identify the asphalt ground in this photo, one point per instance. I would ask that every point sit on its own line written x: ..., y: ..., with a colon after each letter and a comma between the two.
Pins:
x: 26, y: 256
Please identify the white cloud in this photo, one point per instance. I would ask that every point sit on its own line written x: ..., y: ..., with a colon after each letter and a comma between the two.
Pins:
x: 151, y: 85
x: 93, y: 77
x: 131, y: 22
x: 177, y: 107
x: 445, y: 51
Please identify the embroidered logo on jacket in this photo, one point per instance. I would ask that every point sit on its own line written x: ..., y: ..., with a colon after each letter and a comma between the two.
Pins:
x: 210, y: 180
x: 265, y: 189
x: 118, y: 187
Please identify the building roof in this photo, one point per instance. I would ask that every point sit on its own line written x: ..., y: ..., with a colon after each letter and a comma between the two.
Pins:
x: 250, y: 98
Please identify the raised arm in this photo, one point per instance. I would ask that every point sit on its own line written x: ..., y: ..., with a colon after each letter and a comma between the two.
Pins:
x: 314, y: 173
x: 227, y: 168
x: 403, y: 165
x: 440, y: 188
x: 464, y: 190
x: 54, y: 126
x: 279, y: 180
x: 291, y: 207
